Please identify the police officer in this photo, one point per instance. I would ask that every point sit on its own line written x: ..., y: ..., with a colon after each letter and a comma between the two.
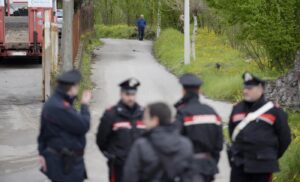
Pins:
x: 61, y: 141
x: 162, y: 154
x: 202, y: 125
x: 120, y: 125
x: 258, y: 144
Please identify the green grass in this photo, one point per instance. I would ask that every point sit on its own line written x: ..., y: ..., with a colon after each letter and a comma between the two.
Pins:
x: 91, y: 41
x: 223, y: 84
x: 121, y: 32
x: 290, y: 162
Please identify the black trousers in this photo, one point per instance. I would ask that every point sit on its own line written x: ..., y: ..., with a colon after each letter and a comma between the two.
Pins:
x: 141, y: 33
x: 115, y: 172
x: 238, y: 175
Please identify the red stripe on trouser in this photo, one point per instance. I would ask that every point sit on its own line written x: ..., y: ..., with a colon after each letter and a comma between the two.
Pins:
x: 271, y: 177
x: 112, y: 177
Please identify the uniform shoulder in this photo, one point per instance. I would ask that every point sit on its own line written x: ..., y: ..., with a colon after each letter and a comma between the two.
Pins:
x: 55, y: 103
x: 238, y: 104
x: 110, y: 109
x: 205, y: 106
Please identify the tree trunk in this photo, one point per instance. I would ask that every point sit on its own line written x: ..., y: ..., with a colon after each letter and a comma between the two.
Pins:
x: 194, y: 37
x: 158, y: 19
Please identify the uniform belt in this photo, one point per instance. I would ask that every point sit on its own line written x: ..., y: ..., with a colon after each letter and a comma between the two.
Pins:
x: 202, y: 156
x: 78, y: 153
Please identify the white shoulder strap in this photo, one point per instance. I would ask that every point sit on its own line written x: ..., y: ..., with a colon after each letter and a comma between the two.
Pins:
x: 251, y: 117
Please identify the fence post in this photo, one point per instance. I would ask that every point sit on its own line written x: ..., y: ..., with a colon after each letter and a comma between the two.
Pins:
x: 54, y: 47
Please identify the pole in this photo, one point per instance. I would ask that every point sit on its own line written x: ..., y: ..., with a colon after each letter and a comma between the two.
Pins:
x: 187, y: 44
x: 67, y: 35
x: 158, y: 19
x: 47, y: 57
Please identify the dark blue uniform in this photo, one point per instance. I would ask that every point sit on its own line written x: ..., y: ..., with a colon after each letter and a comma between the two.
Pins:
x: 120, y: 126
x: 202, y: 125
x: 256, y: 149
x: 62, y: 138
x: 141, y: 24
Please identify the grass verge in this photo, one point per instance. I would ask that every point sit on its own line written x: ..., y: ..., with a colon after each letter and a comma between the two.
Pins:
x: 290, y: 162
x: 224, y: 83
x: 90, y: 42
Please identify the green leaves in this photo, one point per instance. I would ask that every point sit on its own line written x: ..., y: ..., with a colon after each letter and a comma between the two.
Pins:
x: 272, y: 24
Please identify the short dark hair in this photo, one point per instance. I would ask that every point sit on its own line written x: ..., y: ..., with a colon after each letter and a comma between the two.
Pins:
x: 192, y: 89
x: 65, y: 87
x: 160, y: 110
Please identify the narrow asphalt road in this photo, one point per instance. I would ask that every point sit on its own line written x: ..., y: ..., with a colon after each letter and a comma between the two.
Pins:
x: 20, y: 104
x: 121, y: 59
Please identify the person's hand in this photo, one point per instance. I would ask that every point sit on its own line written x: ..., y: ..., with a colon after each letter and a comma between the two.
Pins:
x: 42, y: 162
x: 86, y: 97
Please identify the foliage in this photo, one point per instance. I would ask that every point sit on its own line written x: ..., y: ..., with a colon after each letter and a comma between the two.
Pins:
x: 90, y: 42
x: 112, y: 12
x: 290, y: 162
x: 273, y: 25
x: 212, y: 48
x: 121, y: 31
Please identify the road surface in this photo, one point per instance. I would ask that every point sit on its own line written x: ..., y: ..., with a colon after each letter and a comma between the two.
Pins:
x: 121, y: 59
x: 20, y: 104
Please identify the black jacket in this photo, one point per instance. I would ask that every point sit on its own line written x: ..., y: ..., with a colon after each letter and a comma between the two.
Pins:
x: 61, y: 125
x: 262, y: 142
x: 201, y: 124
x: 144, y: 162
x: 119, y: 127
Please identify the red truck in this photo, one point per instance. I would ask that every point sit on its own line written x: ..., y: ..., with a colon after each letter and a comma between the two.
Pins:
x: 21, y: 27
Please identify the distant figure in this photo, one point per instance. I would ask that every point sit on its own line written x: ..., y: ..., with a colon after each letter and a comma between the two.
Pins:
x: 202, y: 125
x: 61, y: 141
x: 162, y: 154
x: 260, y: 134
x: 119, y: 127
x: 141, y: 25
x: 181, y: 23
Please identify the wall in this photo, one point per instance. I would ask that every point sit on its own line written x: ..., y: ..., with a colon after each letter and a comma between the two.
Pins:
x: 286, y: 89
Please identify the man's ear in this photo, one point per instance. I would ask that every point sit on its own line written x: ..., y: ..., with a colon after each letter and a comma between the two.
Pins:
x: 156, y: 120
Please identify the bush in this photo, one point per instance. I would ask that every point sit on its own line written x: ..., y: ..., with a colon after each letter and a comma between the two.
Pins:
x: 271, y: 25
x: 121, y: 31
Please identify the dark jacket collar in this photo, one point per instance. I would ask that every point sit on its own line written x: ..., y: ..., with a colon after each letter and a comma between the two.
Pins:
x: 253, y: 106
x: 189, y: 97
x: 124, y: 110
x: 64, y: 96
x: 165, y: 138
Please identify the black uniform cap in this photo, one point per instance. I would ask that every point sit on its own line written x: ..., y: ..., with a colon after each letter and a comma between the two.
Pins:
x: 130, y: 85
x: 251, y: 80
x: 70, y: 77
x: 190, y: 80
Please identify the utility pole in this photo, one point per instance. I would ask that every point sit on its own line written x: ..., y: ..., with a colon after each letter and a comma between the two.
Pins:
x: 67, y: 35
x: 187, y: 42
x: 158, y: 19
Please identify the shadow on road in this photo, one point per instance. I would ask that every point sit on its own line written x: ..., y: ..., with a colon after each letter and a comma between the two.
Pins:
x: 20, y: 63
